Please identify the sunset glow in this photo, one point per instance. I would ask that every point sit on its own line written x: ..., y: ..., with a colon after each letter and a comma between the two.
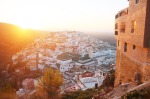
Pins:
x: 81, y: 15
x: 74, y: 49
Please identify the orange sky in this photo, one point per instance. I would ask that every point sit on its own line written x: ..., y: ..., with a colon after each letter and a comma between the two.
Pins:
x: 57, y: 15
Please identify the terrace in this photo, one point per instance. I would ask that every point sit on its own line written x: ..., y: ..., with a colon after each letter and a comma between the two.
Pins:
x: 122, y: 13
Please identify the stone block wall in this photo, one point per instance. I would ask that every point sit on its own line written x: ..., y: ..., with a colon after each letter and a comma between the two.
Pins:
x: 126, y: 68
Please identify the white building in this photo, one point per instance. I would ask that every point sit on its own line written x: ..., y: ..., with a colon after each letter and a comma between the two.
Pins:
x: 87, y: 62
x: 66, y: 67
x: 90, y: 52
x: 100, y: 60
x: 89, y: 82
x: 31, y: 65
x: 15, y: 59
x: 100, y: 73
x: 64, y: 62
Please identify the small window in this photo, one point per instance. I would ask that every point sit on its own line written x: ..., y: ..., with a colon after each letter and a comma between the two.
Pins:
x: 125, y: 47
x: 133, y: 27
x: 123, y: 25
x: 116, y: 32
x: 137, y: 1
x: 104, y: 74
x: 134, y: 47
x: 116, y: 26
x: 118, y: 42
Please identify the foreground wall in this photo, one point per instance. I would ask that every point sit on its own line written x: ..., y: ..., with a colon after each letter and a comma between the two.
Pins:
x: 127, y: 68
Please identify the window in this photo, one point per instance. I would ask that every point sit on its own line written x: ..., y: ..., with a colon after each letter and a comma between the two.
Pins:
x: 134, y: 47
x: 125, y: 47
x: 116, y: 32
x: 118, y: 42
x: 133, y: 27
x: 137, y: 1
x: 116, y: 26
x: 104, y: 74
x: 123, y: 25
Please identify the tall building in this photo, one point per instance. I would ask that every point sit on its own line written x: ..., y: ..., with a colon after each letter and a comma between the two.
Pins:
x: 132, y: 32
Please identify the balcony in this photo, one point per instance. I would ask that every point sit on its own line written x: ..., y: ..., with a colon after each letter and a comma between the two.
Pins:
x: 122, y: 13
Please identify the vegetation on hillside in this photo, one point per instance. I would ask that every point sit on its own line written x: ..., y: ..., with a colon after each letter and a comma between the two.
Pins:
x: 13, y: 39
x: 94, y: 92
x: 141, y: 94
x: 49, y: 84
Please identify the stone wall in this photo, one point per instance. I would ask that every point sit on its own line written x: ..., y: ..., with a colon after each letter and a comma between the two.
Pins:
x: 126, y: 68
x: 146, y: 73
x: 136, y: 12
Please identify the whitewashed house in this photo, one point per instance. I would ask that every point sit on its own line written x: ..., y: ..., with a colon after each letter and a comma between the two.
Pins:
x: 66, y: 67
x: 64, y: 62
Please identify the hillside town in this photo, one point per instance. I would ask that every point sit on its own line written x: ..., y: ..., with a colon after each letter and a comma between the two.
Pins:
x: 83, y: 61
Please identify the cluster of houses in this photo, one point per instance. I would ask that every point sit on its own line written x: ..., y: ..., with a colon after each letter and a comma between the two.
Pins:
x: 84, y: 78
x: 27, y: 90
x: 84, y: 61
x: 74, y: 79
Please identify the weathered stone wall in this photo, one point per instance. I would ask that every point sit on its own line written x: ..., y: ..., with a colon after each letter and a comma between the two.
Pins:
x: 134, y: 60
x: 127, y: 67
x: 146, y: 73
x: 136, y: 12
x: 118, y: 70
x: 138, y: 53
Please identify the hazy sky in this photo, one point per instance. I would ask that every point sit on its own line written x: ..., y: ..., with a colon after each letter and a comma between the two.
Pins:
x: 57, y: 15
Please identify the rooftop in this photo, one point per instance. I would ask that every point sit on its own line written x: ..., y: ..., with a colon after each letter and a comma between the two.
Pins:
x: 122, y: 13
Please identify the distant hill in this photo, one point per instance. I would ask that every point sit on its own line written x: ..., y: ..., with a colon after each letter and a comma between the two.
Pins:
x: 13, y: 39
x: 107, y: 37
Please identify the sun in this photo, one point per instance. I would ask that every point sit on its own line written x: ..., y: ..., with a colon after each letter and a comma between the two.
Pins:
x: 27, y: 17
x: 23, y: 26
x: 28, y: 24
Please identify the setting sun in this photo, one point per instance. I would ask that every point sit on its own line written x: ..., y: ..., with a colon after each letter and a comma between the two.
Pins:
x: 28, y: 17
x: 58, y: 15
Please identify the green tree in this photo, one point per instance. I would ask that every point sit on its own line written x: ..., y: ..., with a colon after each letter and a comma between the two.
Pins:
x: 49, y: 84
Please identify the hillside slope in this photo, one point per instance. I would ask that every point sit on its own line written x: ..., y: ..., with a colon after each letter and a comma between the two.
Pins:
x: 13, y: 39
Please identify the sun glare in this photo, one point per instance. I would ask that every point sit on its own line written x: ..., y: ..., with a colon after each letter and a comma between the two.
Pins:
x: 57, y: 15
x: 28, y: 25
x: 28, y: 22
x: 28, y: 16
x: 23, y: 26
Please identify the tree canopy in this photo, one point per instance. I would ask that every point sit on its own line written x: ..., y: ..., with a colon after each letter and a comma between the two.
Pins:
x: 49, y: 84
